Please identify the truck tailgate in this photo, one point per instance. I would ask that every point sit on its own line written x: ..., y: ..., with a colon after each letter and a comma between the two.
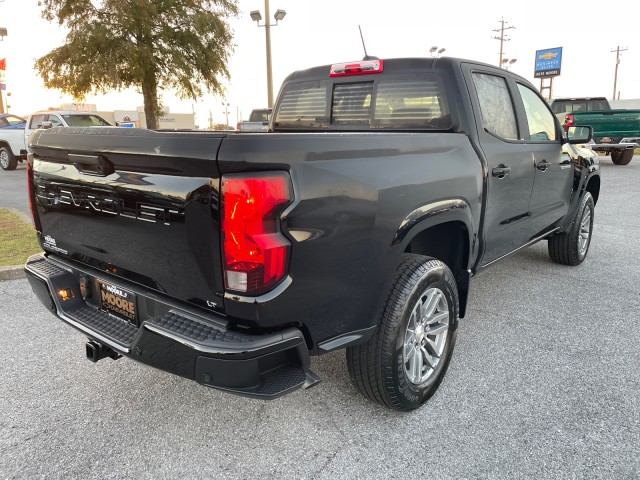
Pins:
x: 611, y: 123
x: 138, y: 204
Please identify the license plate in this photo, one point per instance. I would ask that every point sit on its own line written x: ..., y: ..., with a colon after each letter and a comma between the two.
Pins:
x: 118, y: 301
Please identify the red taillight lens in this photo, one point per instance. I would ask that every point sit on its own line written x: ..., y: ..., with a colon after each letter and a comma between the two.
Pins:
x: 254, y: 250
x: 569, y: 119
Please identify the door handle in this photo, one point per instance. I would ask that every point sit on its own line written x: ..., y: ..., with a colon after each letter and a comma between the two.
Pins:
x: 501, y: 171
x: 543, y: 165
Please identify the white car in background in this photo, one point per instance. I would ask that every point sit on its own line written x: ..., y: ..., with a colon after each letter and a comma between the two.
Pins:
x: 62, y: 118
x: 14, y: 143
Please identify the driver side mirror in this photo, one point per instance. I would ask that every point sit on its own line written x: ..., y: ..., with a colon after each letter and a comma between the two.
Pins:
x: 579, y: 134
x: 46, y: 125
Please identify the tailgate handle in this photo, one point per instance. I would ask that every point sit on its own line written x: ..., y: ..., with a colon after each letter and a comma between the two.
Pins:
x: 92, y: 164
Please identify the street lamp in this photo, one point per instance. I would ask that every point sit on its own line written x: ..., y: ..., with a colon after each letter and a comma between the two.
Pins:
x: 435, y: 52
x: 256, y: 16
x: 506, y: 62
x: 226, y: 115
x: 3, y: 33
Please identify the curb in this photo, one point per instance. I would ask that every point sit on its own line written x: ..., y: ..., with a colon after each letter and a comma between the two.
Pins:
x: 15, y: 272
x: 12, y: 272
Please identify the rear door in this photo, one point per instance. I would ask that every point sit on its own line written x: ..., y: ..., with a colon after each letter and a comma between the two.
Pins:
x: 510, y: 164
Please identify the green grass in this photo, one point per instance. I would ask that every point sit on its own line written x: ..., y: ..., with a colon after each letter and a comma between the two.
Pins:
x: 17, y: 239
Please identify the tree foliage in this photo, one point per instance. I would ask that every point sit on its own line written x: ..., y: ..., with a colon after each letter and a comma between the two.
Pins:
x: 149, y: 44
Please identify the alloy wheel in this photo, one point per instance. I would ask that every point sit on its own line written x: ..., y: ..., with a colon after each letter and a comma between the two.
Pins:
x: 426, y: 336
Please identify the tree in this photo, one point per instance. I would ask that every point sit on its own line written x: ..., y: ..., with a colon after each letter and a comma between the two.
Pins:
x: 149, y: 44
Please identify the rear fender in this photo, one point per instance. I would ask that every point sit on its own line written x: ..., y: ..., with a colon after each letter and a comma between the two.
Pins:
x: 443, y: 230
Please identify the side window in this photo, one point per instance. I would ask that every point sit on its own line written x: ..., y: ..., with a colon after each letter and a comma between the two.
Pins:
x: 542, y: 127
x: 303, y: 105
x: 498, y: 114
x: 55, y: 121
x: 36, y: 121
x: 411, y: 102
x: 14, y: 120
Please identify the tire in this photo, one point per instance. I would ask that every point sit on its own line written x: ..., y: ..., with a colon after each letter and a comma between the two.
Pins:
x: 402, y: 365
x: 7, y: 160
x: 622, y: 157
x: 571, y: 247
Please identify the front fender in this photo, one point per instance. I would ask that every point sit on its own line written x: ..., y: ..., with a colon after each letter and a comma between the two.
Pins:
x: 586, y: 167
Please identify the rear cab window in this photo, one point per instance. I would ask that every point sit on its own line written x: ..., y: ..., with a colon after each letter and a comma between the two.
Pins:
x: 389, y: 101
x: 579, y: 105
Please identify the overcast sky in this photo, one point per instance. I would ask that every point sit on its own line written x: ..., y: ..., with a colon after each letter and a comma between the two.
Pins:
x: 326, y: 31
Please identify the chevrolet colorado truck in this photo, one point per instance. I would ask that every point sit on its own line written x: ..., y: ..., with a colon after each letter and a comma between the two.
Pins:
x: 615, y: 132
x: 356, y: 223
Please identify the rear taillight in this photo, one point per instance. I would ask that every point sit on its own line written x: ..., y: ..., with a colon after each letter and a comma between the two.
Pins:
x: 569, y: 120
x: 255, y: 253
x: 32, y: 197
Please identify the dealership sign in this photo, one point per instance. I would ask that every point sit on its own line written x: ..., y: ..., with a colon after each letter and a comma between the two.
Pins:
x: 548, y: 62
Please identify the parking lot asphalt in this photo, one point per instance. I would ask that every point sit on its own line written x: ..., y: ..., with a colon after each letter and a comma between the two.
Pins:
x: 544, y: 383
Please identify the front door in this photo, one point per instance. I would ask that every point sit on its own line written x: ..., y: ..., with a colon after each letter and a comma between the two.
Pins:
x: 511, y: 169
x: 553, y: 170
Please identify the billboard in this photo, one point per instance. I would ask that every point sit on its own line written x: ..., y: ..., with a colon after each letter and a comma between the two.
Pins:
x: 548, y: 62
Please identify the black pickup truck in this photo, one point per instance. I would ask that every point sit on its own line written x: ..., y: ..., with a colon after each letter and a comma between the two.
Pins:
x: 356, y: 222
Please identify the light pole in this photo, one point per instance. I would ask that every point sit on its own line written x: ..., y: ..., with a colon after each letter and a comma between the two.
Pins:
x: 3, y: 33
x: 226, y: 115
x: 256, y: 17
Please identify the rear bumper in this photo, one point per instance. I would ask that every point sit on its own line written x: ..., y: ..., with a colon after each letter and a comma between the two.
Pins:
x: 613, y: 147
x: 174, y: 337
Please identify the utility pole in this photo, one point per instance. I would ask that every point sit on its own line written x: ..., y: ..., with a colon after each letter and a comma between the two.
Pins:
x: 502, y: 37
x: 615, y: 77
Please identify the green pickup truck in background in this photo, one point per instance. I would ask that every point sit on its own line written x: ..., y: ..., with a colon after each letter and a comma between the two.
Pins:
x: 615, y: 132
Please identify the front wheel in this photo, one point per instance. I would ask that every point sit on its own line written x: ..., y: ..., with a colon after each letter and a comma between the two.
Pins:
x: 8, y: 161
x: 402, y: 366
x: 622, y: 157
x: 571, y: 247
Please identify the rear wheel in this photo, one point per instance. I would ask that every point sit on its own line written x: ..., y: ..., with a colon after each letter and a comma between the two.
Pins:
x: 7, y: 160
x: 571, y: 247
x: 622, y: 157
x: 404, y: 363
